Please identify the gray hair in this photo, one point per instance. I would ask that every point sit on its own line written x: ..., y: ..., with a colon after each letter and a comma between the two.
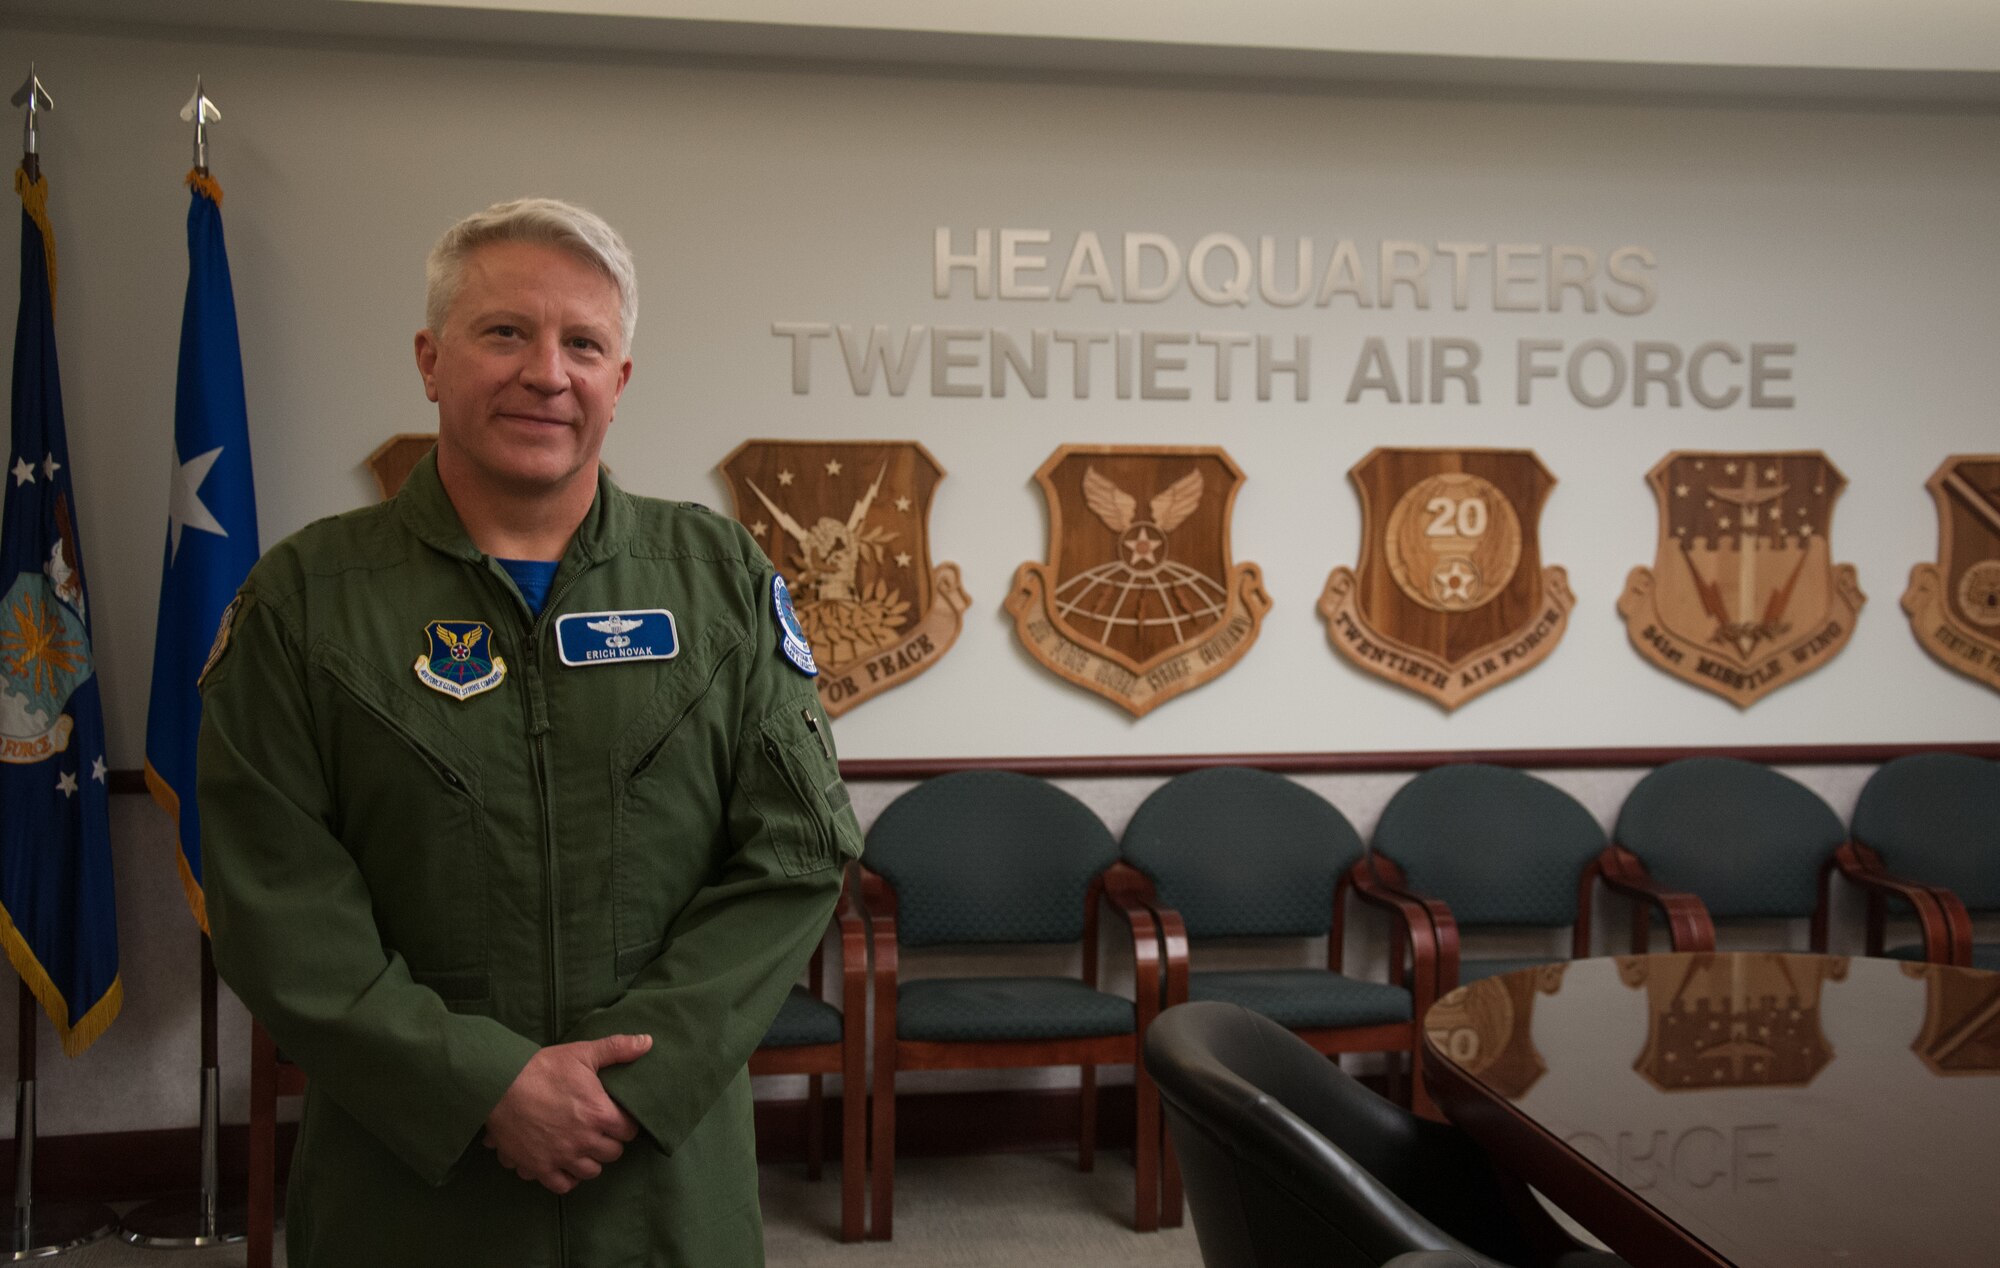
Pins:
x: 581, y: 233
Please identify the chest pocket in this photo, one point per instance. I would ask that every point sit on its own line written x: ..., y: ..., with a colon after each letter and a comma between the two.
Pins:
x: 669, y: 769
x: 799, y: 792
x: 409, y: 806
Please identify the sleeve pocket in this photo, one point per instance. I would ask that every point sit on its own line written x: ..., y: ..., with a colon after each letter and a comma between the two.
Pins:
x: 804, y: 802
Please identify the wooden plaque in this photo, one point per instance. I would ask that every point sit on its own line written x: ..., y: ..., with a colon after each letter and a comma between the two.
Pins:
x: 1743, y: 595
x: 1744, y: 1020
x: 847, y: 523
x: 1961, y: 1032
x: 1451, y: 597
x: 396, y: 457
x: 1139, y: 601
x: 1954, y: 604
x: 1489, y: 1032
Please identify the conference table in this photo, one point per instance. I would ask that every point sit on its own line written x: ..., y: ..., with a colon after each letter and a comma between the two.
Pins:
x: 1745, y: 1108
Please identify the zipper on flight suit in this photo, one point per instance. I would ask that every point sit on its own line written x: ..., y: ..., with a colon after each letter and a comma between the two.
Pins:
x: 551, y: 874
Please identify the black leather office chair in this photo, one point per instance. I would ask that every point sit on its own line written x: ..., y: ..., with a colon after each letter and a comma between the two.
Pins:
x: 1290, y: 1162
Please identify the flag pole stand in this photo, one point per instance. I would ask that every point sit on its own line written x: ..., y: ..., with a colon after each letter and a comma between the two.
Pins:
x: 183, y: 1221
x: 42, y: 1228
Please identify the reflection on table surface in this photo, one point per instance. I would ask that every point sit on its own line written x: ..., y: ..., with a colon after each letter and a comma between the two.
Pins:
x: 1784, y: 1109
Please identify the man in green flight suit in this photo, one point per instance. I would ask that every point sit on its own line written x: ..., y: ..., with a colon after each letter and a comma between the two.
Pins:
x: 521, y: 811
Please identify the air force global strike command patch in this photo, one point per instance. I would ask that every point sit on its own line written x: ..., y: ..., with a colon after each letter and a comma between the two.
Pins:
x: 604, y: 638
x: 459, y: 661
x: 792, y: 640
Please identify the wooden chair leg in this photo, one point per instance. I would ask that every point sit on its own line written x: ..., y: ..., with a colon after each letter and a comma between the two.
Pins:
x: 1086, y: 1145
x: 1172, y: 1202
x: 853, y: 1147
x: 1146, y: 1150
x: 262, y: 1197
x: 882, y: 1171
x: 815, y: 1127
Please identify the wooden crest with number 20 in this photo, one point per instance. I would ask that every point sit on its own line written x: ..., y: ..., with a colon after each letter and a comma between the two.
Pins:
x: 1451, y: 598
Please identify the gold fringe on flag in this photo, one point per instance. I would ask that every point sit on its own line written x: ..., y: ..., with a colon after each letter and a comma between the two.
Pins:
x: 35, y: 201
x: 93, y: 1024
x: 205, y: 185
x: 170, y: 801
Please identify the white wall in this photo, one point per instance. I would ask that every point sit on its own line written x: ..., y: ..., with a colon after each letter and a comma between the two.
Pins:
x: 1863, y: 238
x: 752, y: 196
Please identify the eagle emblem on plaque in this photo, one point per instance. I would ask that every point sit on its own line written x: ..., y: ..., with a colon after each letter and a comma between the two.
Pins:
x: 1954, y: 604
x: 1139, y: 601
x: 1451, y: 597
x: 847, y: 525
x: 1743, y: 595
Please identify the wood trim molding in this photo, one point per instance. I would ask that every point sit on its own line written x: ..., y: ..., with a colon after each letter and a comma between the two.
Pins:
x: 1411, y: 760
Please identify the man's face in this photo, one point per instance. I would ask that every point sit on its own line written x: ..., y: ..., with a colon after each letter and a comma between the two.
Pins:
x: 526, y: 372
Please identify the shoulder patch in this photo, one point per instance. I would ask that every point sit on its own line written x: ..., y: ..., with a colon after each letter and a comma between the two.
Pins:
x: 221, y: 643
x: 792, y: 644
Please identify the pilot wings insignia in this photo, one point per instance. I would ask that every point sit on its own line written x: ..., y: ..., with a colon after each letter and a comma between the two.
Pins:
x: 847, y: 525
x: 1138, y: 605
x: 614, y: 625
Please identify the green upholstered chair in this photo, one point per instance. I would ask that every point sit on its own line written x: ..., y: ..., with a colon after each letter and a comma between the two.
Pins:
x: 1718, y: 838
x: 1494, y: 848
x: 1233, y: 853
x: 1934, y: 819
x: 812, y: 1037
x: 994, y: 858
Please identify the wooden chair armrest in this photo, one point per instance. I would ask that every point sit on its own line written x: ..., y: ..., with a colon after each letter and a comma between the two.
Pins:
x: 875, y: 904
x: 1428, y: 925
x: 1946, y: 925
x: 1124, y: 891
x: 852, y: 922
x: 1173, y: 952
x: 1688, y: 925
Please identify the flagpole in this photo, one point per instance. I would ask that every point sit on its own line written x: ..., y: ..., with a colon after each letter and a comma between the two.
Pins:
x: 185, y: 1221
x: 40, y: 1229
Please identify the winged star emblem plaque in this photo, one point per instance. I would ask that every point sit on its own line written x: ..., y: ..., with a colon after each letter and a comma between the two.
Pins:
x: 1743, y: 595
x: 847, y: 524
x: 1139, y: 601
x: 1451, y: 598
x: 1954, y: 604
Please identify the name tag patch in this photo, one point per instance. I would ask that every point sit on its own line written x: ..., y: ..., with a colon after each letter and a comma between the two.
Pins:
x: 603, y: 638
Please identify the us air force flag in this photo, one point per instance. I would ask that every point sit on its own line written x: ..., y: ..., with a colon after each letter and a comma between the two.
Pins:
x: 59, y: 924
x: 211, y: 524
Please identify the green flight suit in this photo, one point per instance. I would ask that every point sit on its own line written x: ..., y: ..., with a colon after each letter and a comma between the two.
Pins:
x: 414, y: 892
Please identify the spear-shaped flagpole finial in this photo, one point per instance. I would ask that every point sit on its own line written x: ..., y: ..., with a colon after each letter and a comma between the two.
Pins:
x: 36, y: 98
x: 200, y: 111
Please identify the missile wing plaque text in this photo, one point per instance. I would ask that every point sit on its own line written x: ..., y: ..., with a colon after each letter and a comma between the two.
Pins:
x: 1743, y: 595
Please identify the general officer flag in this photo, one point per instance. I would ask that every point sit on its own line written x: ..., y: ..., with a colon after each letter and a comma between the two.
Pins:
x: 60, y: 926
x: 211, y: 524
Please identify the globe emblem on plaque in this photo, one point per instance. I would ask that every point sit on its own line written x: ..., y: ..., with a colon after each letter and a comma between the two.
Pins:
x: 1141, y: 590
x: 1979, y: 593
x: 1454, y: 542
